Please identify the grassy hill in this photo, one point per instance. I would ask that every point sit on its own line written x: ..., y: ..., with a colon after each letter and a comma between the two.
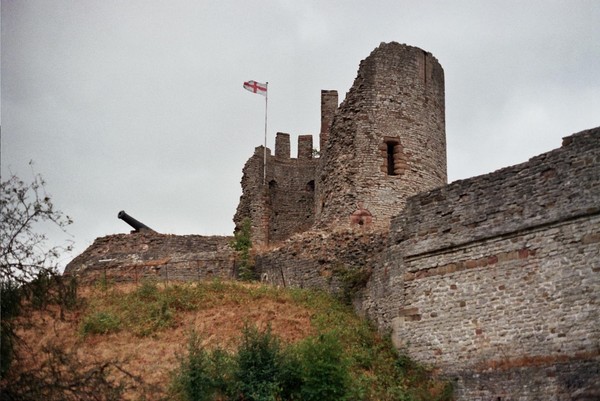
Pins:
x: 136, y: 340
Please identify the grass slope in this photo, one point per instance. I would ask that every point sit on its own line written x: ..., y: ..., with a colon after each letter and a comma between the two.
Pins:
x: 144, y: 329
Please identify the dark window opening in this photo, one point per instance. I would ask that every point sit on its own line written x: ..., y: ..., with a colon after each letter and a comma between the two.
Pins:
x: 390, y: 158
x: 310, y: 186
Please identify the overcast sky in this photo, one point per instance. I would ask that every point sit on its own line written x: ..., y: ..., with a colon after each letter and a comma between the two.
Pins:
x: 139, y: 105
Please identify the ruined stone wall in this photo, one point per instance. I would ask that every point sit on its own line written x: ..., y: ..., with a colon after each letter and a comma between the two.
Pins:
x: 387, y: 140
x: 254, y: 203
x: 322, y: 259
x: 285, y: 204
x: 495, y: 279
x: 133, y: 257
x: 329, y: 106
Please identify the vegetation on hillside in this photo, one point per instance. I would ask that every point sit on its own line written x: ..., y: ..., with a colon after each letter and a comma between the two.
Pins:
x: 26, y: 263
x: 30, y: 283
x: 340, y: 354
x: 245, y: 341
x: 242, y: 243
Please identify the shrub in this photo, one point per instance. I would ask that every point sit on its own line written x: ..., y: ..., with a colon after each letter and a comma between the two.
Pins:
x: 258, y: 362
x: 63, y: 377
x: 263, y: 370
x: 352, y: 280
x: 325, y: 371
x: 148, y: 291
x: 67, y: 292
x: 203, y: 375
x: 46, y: 288
x: 100, y: 323
x: 242, y: 243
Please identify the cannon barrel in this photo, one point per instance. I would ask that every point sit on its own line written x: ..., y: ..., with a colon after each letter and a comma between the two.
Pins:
x: 137, y: 225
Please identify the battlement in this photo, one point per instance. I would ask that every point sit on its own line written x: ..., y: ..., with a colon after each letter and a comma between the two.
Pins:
x: 374, y: 154
x: 282, y: 146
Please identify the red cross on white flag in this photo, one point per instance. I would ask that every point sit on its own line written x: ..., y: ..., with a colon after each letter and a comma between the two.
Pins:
x: 256, y: 87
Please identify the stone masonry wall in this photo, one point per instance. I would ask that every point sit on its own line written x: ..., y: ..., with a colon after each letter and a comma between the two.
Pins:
x: 291, y: 197
x: 495, y: 279
x: 320, y: 259
x: 387, y: 140
x: 254, y: 200
x: 329, y: 106
x: 132, y: 257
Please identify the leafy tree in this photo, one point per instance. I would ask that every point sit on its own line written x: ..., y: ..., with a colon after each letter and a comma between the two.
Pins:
x: 29, y: 270
x: 26, y: 265
x: 23, y: 250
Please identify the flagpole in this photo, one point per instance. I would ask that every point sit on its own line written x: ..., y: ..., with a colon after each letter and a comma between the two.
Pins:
x: 265, y: 147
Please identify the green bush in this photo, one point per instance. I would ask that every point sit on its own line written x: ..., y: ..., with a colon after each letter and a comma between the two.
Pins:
x: 353, y: 279
x: 258, y: 362
x: 203, y: 375
x: 242, y: 243
x: 263, y: 370
x: 148, y: 291
x: 100, y: 323
x: 324, y: 369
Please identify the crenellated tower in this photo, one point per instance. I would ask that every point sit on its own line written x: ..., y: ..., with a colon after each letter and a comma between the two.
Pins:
x: 385, y: 143
x: 282, y: 204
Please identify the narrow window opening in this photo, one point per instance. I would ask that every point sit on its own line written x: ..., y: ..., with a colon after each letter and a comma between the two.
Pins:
x: 310, y: 186
x: 390, y: 158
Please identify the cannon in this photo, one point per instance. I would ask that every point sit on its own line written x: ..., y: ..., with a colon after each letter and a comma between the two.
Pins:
x: 138, y: 226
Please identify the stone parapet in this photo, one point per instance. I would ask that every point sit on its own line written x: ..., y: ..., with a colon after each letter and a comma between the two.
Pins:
x: 132, y: 257
x: 555, y: 186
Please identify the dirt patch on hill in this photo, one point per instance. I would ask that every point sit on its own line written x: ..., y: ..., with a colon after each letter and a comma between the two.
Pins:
x: 153, y: 357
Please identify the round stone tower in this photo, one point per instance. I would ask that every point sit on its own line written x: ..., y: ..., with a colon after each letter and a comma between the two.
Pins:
x: 387, y: 140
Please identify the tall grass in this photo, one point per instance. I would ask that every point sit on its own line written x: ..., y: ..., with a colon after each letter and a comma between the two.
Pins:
x: 345, y: 359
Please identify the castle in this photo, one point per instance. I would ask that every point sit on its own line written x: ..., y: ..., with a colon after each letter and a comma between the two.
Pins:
x: 385, y: 143
x: 493, y: 279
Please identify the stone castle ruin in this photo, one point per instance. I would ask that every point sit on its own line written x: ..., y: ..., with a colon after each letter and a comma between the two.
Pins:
x: 385, y: 143
x: 493, y: 279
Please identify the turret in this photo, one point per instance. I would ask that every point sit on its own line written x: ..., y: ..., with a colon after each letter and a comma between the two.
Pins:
x: 387, y: 140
